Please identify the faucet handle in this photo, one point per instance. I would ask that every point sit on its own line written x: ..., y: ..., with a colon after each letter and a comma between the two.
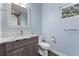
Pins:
x: 21, y: 32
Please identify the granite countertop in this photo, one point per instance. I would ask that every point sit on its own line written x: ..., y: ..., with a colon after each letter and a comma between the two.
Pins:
x: 10, y: 39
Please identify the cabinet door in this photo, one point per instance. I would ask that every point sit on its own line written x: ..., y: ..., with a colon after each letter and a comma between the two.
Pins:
x: 34, y: 48
x: 31, y: 50
x: 17, y: 52
x: 2, y: 50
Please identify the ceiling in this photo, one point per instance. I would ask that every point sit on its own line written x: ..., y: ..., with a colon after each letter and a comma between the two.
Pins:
x: 63, y: 4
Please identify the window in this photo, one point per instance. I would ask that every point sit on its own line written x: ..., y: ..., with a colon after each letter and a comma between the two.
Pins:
x: 70, y: 11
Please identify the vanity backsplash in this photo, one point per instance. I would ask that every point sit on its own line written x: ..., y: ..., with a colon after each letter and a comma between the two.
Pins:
x: 16, y: 32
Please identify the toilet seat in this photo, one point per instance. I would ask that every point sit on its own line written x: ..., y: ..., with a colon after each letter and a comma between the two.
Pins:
x: 44, y: 45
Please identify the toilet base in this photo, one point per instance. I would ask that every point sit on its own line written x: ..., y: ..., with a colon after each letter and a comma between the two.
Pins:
x: 43, y: 52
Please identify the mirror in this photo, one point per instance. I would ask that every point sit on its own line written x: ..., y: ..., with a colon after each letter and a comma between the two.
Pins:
x: 19, y: 17
x: 23, y: 20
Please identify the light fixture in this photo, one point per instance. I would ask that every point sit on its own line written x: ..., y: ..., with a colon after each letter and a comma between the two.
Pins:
x: 21, y: 4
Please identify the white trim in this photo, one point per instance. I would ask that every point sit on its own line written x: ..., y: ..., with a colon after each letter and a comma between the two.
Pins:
x: 70, y: 17
x: 67, y: 5
x: 41, y: 53
x: 57, y: 52
x: 53, y: 51
x: 60, y: 11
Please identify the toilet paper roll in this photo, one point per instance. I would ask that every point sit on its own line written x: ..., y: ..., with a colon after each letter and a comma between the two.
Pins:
x: 53, y: 39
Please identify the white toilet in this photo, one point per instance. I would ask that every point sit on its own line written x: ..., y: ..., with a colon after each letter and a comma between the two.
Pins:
x: 43, y: 47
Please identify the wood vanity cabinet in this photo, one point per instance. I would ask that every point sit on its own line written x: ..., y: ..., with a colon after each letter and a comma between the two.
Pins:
x: 24, y: 47
x: 16, y: 52
x: 31, y: 50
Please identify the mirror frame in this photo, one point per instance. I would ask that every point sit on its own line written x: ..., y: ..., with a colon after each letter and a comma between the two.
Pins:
x: 28, y: 10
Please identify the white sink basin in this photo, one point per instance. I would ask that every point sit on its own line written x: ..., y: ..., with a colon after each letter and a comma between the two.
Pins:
x: 27, y: 36
x: 23, y: 37
x: 8, y: 39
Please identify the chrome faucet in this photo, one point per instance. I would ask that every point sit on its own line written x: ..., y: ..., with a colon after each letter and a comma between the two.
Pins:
x: 21, y: 33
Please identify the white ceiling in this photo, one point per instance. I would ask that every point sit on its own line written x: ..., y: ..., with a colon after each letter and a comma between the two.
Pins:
x: 63, y: 4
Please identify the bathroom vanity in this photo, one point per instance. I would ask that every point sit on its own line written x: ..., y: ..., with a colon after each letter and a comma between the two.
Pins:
x: 22, y: 47
x: 16, y: 39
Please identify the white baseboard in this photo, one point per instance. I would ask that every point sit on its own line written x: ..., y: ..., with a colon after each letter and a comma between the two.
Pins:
x: 53, y: 51
x: 40, y: 52
x: 57, y: 52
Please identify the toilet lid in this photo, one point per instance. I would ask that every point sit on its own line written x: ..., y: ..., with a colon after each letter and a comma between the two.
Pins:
x: 44, y: 44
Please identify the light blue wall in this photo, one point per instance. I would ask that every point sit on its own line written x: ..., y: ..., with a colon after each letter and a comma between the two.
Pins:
x: 66, y: 42
x: 0, y: 22
x: 0, y: 18
x: 36, y: 17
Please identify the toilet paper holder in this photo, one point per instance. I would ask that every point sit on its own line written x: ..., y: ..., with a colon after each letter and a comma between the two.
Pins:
x: 53, y: 39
